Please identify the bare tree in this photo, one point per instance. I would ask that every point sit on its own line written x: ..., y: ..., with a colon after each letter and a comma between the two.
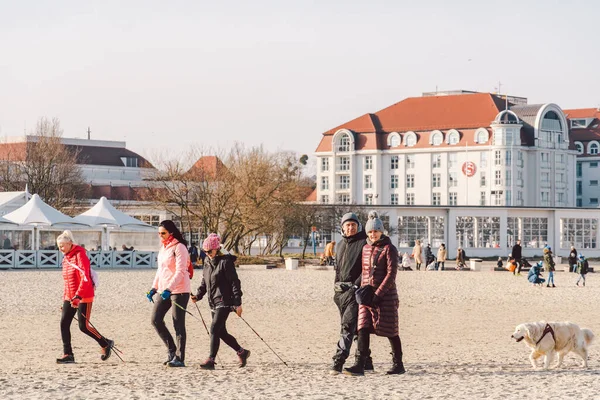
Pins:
x: 46, y: 165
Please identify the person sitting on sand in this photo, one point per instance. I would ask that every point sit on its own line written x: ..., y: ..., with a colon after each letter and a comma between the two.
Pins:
x: 535, y: 273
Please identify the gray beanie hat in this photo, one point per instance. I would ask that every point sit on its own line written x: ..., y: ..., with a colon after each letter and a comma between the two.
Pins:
x: 374, y: 223
x: 350, y: 217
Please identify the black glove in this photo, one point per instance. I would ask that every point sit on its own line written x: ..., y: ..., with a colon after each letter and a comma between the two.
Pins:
x: 342, y: 287
x: 376, y: 300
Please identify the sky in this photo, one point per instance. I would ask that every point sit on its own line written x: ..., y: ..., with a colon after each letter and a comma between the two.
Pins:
x: 165, y: 76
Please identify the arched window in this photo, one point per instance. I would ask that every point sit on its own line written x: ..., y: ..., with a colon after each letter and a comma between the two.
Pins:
x: 343, y: 143
x: 579, y: 147
x: 453, y: 137
x: 551, y: 122
x: 482, y: 135
x: 394, y: 139
x: 593, y: 147
x: 410, y: 139
x: 436, y: 138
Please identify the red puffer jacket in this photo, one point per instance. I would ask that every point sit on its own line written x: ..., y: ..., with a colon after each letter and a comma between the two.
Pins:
x: 76, y: 274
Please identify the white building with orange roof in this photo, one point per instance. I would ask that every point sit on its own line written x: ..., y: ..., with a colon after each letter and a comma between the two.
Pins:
x: 450, y: 150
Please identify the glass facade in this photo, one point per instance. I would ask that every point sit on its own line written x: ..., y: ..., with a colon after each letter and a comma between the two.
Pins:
x: 578, y: 232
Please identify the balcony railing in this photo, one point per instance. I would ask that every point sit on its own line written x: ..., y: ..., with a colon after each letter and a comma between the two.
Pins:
x: 98, y: 259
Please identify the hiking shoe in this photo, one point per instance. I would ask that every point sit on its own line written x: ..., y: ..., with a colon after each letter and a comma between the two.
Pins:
x: 369, y: 365
x: 553, y: 285
x: 397, y: 369
x: 355, y: 370
x: 209, y: 364
x: 337, y: 367
x: 243, y: 356
x: 175, y: 363
x: 66, y: 359
x: 107, y: 351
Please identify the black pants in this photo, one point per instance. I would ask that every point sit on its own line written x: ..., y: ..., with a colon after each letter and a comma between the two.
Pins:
x: 348, y: 308
x: 218, y: 331
x: 364, y: 344
x: 161, y: 307
x: 84, y: 312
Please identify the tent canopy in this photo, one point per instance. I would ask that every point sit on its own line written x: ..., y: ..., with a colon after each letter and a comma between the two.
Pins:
x: 35, y: 212
x: 104, y: 214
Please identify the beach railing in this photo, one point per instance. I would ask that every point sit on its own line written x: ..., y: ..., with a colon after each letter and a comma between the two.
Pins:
x: 49, y: 259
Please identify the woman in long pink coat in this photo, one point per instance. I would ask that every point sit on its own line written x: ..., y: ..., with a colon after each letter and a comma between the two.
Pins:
x: 379, y: 315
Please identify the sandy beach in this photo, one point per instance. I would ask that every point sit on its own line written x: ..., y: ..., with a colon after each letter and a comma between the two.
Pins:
x: 455, y: 329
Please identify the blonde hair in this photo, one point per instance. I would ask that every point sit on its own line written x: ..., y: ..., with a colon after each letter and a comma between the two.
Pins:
x: 64, y: 237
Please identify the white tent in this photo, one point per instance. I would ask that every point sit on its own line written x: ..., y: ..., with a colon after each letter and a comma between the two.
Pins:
x: 4, y: 221
x: 36, y: 213
x: 104, y: 214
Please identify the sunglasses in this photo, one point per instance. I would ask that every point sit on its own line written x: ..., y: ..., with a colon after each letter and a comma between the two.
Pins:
x: 163, y: 233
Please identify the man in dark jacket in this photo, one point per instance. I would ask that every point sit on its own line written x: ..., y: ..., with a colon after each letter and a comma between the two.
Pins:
x: 517, y: 255
x: 348, y: 270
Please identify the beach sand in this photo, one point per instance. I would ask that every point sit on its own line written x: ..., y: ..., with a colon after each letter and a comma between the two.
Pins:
x: 455, y: 329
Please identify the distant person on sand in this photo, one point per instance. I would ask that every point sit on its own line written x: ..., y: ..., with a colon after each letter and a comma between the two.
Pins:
x: 460, y: 258
x: 582, y: 268
x: 499, y: 264
x: 378, y: 311
x: 573, y: 259
x: 441, y: 257
x: 549, y: 265
x: 172, y: 283
x: 193, y: 250
x: 417, y: 250
x: 348, y: 269
x: 406, y: 262
x: 535, y: 273
x: 78, y: 297
x: 517, y: 254
x: 329, y: 253
x: 220, y: 283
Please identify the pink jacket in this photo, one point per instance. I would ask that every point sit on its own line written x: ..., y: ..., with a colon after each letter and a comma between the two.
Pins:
x: 172, y: 270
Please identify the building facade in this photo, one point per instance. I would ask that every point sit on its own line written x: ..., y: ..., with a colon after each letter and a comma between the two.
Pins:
x: 585, y: 132
x: 468, y: 149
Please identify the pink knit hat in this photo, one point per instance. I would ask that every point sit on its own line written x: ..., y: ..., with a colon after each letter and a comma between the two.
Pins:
x: 212, y: 242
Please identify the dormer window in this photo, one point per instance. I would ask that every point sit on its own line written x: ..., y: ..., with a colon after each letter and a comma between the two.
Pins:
x: 579, y: 147
x: 394, y: 139
x: 410, y: 139
x: 436, y: 138
x: 453, y: 137
x: 130, y: 161
x: 579, y: 123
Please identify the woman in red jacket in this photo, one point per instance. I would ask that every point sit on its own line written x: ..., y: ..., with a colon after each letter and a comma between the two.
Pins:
x: 378, y: 313
x: 77, y: 298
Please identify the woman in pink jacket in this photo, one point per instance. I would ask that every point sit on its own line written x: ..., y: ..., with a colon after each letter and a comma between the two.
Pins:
x: 172, y: 282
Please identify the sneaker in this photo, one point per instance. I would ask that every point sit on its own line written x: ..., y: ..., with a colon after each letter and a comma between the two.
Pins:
x: 175, y: 363
x: 243, y: 356
x: 369, y: 365
x: 337, y: 367
x: 66, y: 359
x: 106, y: 351
x: 171, y: 357
x: 208, y: 364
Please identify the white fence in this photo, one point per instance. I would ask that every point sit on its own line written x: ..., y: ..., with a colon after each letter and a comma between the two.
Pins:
x: 47, y: 259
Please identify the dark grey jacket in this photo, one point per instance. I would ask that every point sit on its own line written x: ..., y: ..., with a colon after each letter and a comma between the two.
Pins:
x: 220, y: 282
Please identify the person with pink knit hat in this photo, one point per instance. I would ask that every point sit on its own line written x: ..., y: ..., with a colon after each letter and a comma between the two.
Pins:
x: 222, y: 286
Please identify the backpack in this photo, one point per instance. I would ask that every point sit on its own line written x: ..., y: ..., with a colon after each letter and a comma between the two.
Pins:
x: 94, y: 276
x: 190, y: 266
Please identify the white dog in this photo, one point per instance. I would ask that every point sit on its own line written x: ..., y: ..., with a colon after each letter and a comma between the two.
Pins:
x: 547, y: 338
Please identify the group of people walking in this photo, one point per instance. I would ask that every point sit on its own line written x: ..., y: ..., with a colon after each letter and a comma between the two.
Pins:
x: 171, y: 289
x: 365, y: 293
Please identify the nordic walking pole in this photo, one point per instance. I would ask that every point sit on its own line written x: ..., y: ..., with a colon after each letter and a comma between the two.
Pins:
x: 201, y: 317
x: 263, y: 340
x: 117, y: 351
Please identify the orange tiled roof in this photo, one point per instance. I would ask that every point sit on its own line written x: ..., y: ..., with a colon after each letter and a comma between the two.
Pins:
x: 582, y: 113
x: 430, y: 113
x: 312, y: 197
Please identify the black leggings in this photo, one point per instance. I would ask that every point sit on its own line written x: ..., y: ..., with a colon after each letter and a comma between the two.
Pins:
x: 218, y: 331
x: 84, y: 312
x: 161, y: 307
